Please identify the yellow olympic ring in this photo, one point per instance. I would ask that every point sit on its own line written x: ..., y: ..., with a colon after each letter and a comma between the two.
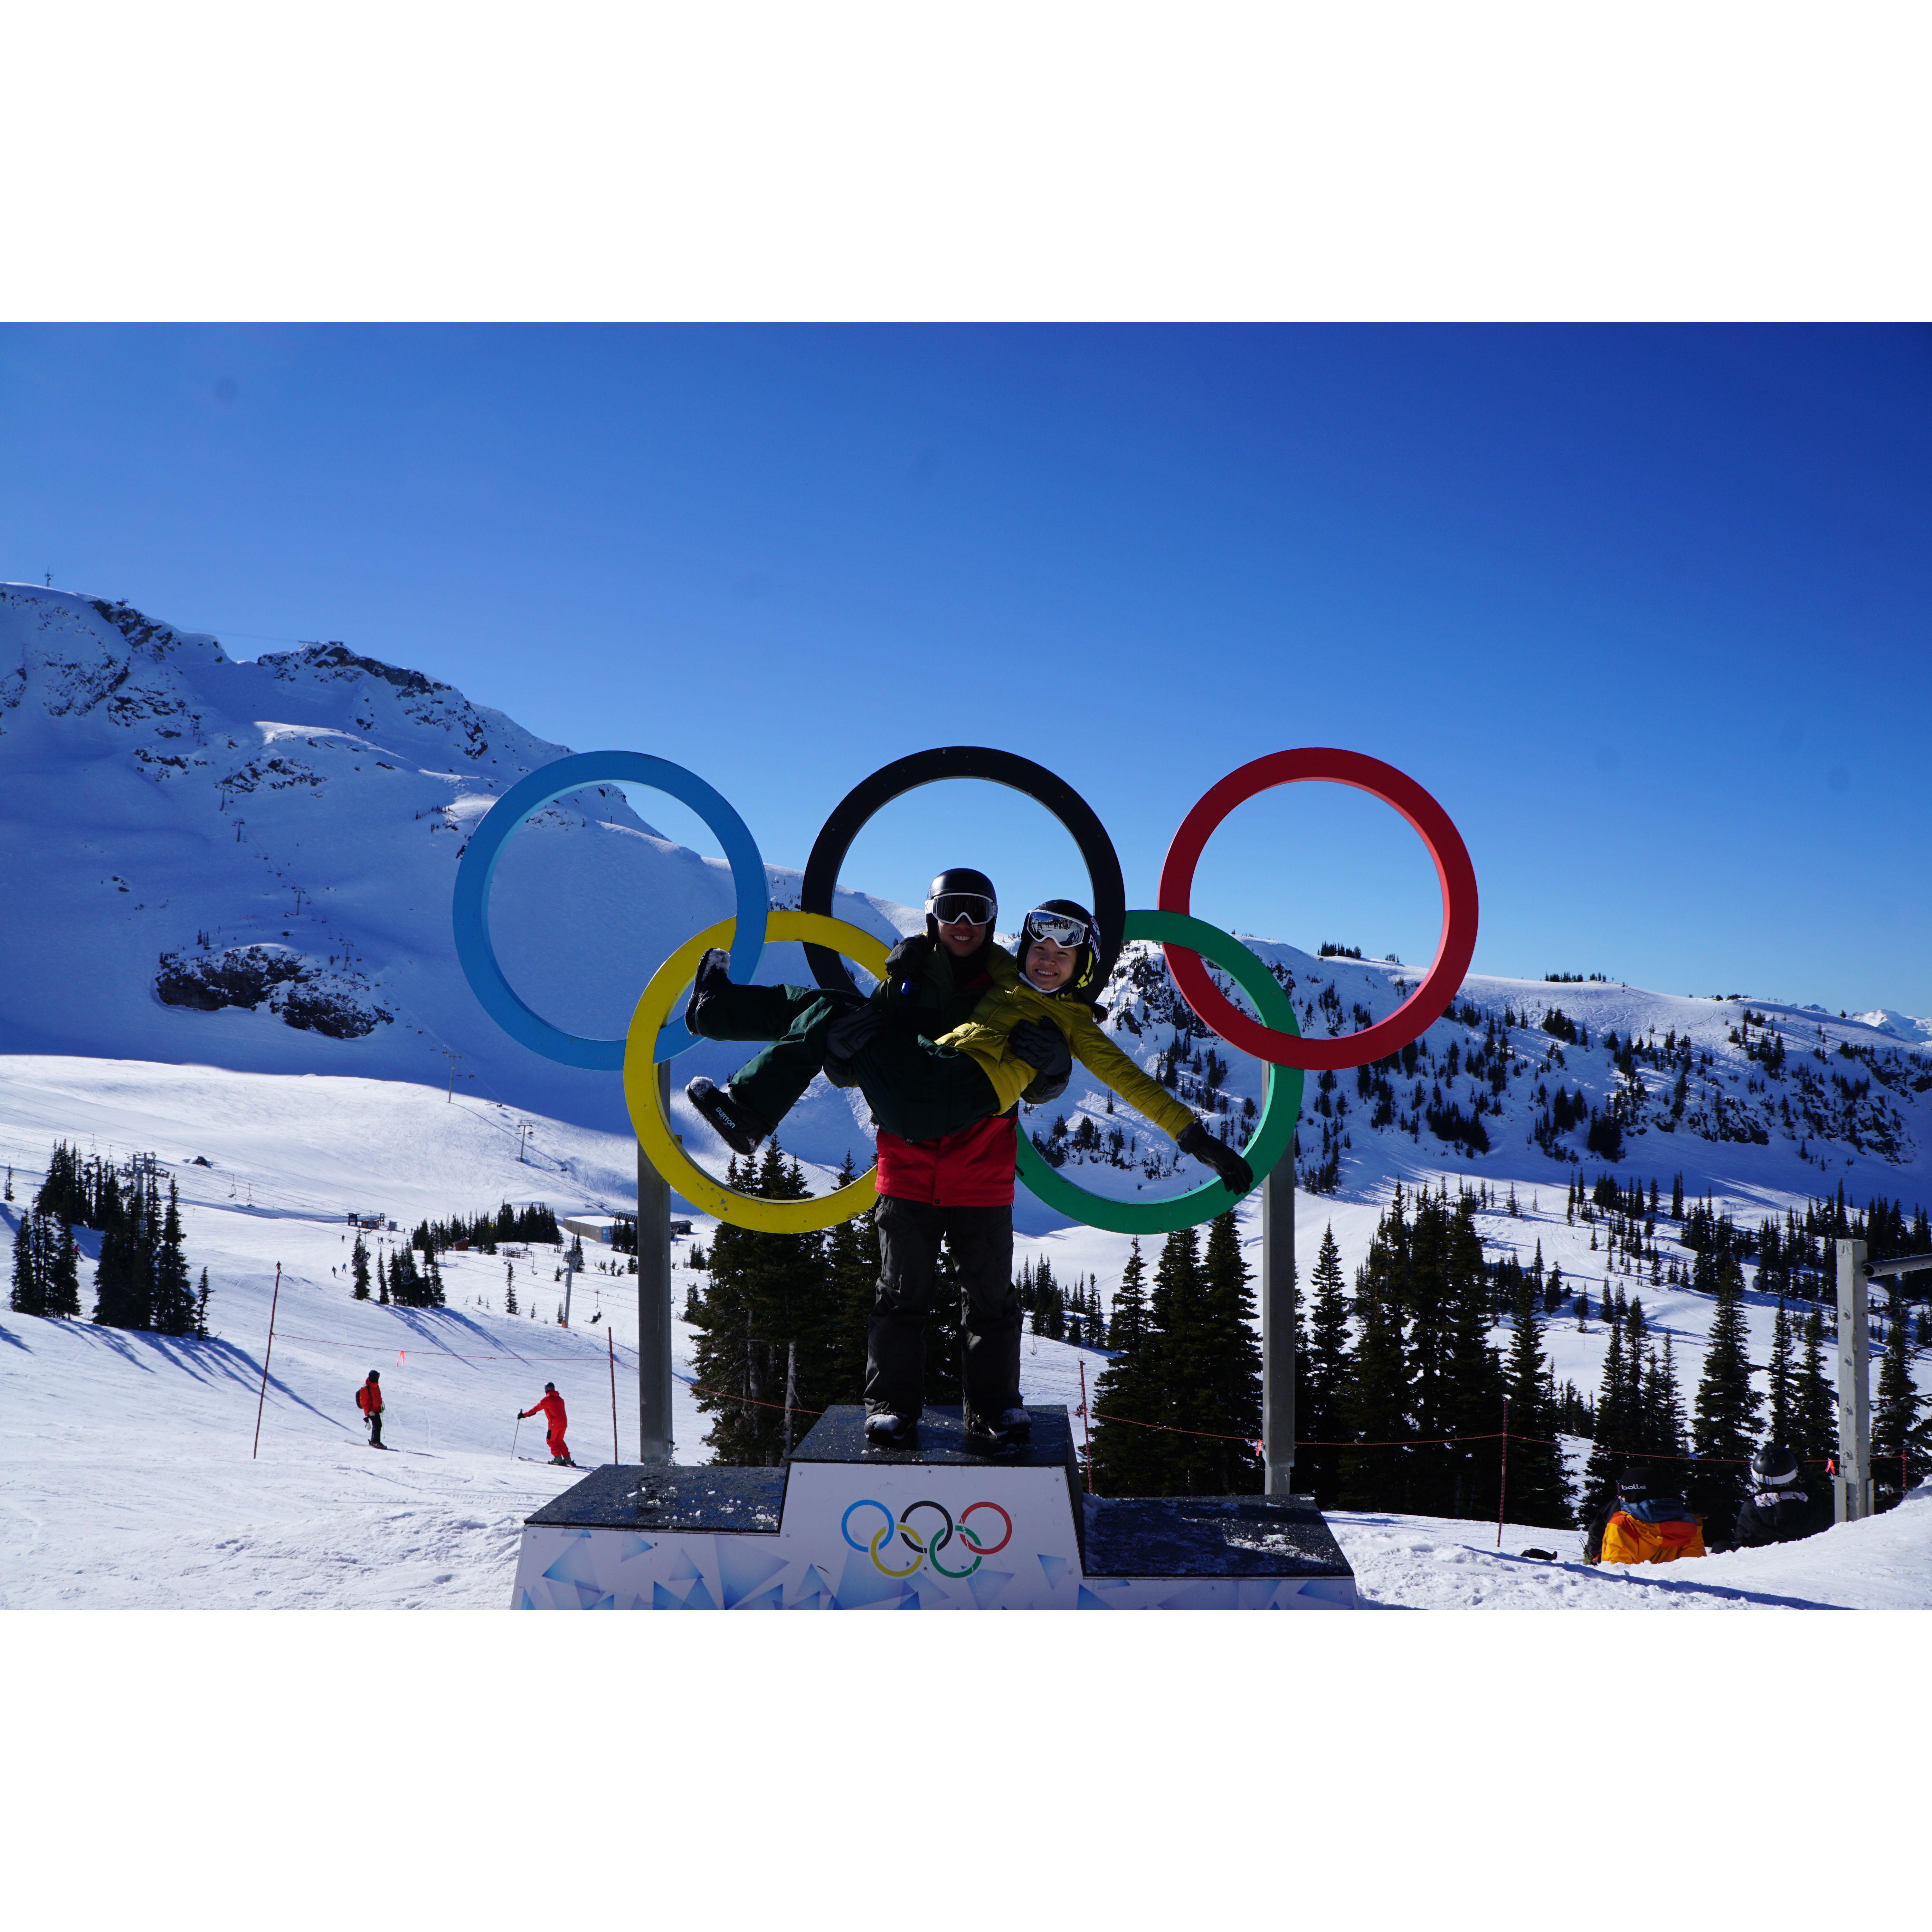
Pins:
x: 709, y: 1196
x: 885, y: 1569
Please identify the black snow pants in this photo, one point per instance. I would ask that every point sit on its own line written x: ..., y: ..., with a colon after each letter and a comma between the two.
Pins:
x: 916, y: 1090
x: 982, y: 1240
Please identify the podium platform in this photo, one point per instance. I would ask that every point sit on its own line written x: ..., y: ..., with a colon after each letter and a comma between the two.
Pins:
x: 844, y: 1526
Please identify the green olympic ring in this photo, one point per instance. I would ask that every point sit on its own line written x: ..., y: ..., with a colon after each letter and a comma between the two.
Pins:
x: 1274, y: 1132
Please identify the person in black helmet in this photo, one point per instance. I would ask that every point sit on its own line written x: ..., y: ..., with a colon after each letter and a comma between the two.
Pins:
x: 934, y: 981
x: 953, y: 1187
x: 1778, y: 1510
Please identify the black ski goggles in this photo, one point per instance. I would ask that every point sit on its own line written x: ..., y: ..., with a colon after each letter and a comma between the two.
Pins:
x: 1060, y: 928
x: 948, y: 907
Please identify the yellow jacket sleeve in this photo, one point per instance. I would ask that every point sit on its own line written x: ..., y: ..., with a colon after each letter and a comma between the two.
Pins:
x: 984, y: 1036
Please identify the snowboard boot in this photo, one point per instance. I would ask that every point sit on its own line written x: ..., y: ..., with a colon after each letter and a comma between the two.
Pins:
x: 1016, y: 1425
x: 712, y: 976
x: 989, y: 1438
x: 737, y: 1126
x: 886, y: 1429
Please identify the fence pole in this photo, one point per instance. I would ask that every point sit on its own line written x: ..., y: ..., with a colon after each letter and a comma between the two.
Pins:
x: 610, y: 1350
x: 1086, y: 1425
x: 1502, y: 1480
x: 1279, y: 1326
x: 274, y: 1300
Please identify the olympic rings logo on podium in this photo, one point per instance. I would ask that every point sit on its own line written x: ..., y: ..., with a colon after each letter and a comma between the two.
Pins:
x: 925, y: 1549
x: 655, y: 1036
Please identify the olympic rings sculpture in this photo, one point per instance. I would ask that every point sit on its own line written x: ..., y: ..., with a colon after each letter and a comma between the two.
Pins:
x: 1187, y: 943
x: 926, y: 1549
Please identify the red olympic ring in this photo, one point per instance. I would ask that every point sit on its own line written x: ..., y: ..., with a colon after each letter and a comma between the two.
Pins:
x: 972, y: 1537
x: 1456, y: 875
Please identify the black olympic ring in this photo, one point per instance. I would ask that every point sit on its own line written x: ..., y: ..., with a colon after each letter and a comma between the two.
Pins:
x: 911, y: 1541
x: 867, y: 798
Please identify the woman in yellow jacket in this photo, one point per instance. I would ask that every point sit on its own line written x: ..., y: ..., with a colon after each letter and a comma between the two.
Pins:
x: 1038, y: 1024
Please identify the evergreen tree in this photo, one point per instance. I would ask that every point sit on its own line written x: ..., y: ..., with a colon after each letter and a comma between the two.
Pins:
x: 124, y: 1277
x: 1724, y: 1424
x: 769, y: 1324
x: 64, y: 1272
x: 1135, y: 1387
x: 1898, y: 1459
x: 358, y: 1269
x: 1377, y: 1404
x: 1222, y: 1389
x: 1782, y: 1377
x: 29, y: 1295
x: 852, y: 1264
x: 510, y: 1288
x: 1617, y: 1421
x: 1539, y: 1490
x: 201, y: 1308
x: 172, y: 1304
x: 1814, y: 1428
x: 1320, y: 1416
x: 382, y: 1280
x: 1130, y: 1313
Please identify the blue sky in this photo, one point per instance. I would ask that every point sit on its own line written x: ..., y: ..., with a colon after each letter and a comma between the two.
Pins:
x: 1647, y: 609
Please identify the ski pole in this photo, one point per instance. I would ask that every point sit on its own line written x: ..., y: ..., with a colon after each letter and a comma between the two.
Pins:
x: 514, y: 1434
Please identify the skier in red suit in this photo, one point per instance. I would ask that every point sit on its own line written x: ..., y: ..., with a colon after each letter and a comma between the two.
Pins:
x: 551, y: 1408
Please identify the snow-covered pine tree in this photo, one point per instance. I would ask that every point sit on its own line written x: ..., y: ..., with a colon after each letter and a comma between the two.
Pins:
x: 358, y: 1269
x: 201, y: 1308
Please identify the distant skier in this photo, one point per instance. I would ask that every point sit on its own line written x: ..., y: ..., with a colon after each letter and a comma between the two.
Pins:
x: 1645, y: 1522
x: 369, y: 1400
x: 551, y: 1408
x: 1778, y: 1510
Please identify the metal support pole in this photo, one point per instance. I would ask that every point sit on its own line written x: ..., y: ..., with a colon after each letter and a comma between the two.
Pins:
x: 1279, y: 1326
x: 1851, y: 1489
x: 654, y: 1301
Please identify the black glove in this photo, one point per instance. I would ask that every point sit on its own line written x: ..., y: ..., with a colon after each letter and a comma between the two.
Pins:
x: 1043, y: 1046
x: 1237, y: 1176
x: 846, y: 1036
x: 906, y: 960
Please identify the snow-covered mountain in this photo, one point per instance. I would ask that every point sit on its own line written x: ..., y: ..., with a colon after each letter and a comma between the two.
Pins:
x: 249, y: 865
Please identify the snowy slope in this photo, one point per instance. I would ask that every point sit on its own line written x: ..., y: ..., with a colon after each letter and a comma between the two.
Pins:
x: 249, y: 865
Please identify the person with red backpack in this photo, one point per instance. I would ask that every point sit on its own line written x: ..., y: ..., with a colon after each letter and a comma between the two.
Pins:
x: 1644, y: 1522
x: 369, y: 1400
x: 551, y: 1408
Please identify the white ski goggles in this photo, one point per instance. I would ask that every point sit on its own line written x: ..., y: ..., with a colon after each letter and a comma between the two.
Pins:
x: 1060, y: 928
x: 948, y: 907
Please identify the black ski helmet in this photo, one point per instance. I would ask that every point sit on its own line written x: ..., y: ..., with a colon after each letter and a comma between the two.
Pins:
x: 550, y: 1388
x: 960, y: 879
x: 1087, y: 964
x: 1634, y: 1480
x: 1774, y: 1465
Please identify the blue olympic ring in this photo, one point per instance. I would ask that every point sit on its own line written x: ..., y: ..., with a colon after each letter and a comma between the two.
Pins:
x: 470, y: 908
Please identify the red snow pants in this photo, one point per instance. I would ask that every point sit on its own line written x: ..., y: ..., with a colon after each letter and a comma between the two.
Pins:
x: 558, y: 1447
